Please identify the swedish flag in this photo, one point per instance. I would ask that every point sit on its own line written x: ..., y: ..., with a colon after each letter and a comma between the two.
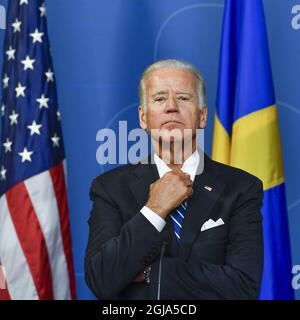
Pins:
x: 246, y: 132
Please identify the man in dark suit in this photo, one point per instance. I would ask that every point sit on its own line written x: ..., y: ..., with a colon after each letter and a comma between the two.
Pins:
x: 187, y: 229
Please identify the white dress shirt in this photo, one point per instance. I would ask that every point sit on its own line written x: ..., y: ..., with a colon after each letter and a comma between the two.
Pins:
x: 189, y: 166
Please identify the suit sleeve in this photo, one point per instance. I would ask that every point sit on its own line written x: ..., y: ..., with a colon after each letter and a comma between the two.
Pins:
x: 239, y: 277
x: 116, y: 252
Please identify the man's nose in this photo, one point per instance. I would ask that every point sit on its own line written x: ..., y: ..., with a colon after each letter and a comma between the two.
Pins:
x: 172, y: 105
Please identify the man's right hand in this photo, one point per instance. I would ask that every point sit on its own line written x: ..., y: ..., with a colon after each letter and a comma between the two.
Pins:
x: 169, y: 192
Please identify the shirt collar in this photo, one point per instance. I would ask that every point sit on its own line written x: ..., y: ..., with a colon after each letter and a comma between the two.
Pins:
x: 189, y: 166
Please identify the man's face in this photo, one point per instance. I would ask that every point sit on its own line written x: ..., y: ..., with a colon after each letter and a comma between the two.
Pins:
x: 172, y: 103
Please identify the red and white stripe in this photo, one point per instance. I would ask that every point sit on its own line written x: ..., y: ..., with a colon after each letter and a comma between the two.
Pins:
x: 4, y: 295
x: 35, y: 242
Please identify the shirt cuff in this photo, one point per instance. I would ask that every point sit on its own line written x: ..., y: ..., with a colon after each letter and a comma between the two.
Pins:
x: 158, y: 222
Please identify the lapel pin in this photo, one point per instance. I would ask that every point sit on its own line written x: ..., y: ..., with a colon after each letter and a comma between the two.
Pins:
x: 208, y: 188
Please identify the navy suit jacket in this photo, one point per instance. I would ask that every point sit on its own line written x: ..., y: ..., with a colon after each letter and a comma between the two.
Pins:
x: 223, y: 262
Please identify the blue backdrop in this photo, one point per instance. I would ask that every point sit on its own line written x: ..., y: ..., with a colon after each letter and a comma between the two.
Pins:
x: 100, y: 48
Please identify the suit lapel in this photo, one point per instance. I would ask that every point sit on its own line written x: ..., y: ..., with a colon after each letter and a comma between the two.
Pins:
x: 140, y: 181
x: 199, y: 207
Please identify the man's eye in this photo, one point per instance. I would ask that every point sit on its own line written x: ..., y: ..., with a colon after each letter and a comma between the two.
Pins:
x: 183, y: 98
x: 160, y: 99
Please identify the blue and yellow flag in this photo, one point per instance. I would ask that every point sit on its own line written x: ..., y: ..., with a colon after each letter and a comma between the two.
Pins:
x: 246, y: 131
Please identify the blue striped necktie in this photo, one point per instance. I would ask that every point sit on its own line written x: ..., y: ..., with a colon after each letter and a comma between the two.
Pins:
x: 177, y: 216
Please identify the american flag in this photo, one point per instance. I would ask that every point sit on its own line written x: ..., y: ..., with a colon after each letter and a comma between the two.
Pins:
x: 35, y: 241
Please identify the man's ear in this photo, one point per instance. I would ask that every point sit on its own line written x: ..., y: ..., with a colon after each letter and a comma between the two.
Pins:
x: 203, y: 117
x: 142, y: 118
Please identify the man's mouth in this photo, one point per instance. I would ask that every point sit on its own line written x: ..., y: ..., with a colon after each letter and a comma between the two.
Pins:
x: 172, y: 122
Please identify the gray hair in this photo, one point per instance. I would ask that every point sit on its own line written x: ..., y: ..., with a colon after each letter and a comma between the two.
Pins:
x: 176, y: 64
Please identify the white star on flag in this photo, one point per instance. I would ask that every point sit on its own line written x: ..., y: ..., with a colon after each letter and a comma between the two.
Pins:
x: 5, y: 81
x: 10, y: 53
x: 34, y: 128
x: 58, y: 115
x: 49, y: 75
x: 3, y: 173
x: 3, y: 110
x: 17, y: 25
x: 55, y: 140
x: 26, y: 155
x: 23, y: 2
x: 13, y: 118
x: 20, y: 90
x: 7, y: 145
x: 43, y: 101
x: 36, y: 36
x: 28, y: 63
x: 42, y: 9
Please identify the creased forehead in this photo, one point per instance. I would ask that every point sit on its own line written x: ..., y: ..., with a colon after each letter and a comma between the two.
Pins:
x: 165, y: 79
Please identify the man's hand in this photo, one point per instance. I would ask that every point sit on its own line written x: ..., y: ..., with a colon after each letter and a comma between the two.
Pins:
x: 169, y: 192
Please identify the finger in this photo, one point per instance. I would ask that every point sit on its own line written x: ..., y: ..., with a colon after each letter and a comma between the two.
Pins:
x: 184, y: 174
x: 188, y: 182
x: 191, y: 191
x: 185, y: 177
x: 177, y: 173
